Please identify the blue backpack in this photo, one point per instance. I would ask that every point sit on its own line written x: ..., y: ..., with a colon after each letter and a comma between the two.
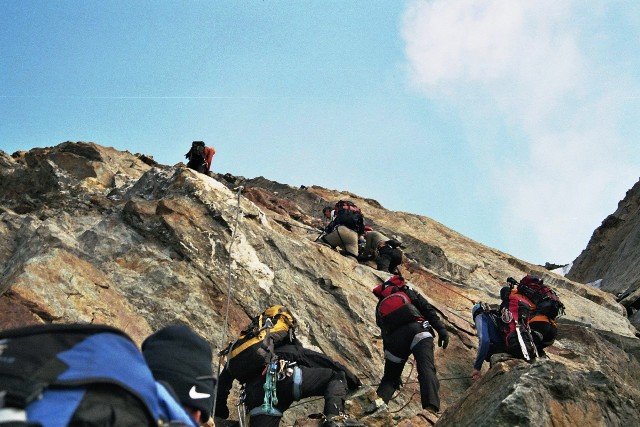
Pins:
x: 80, y: 375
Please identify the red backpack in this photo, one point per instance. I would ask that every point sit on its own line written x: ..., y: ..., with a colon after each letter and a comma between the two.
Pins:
x: 395, y: 307
x: 545, y: 300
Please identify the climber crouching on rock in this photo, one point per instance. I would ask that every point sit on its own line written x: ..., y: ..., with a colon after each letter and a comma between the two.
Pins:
x: 346, y: 225
x: 301, y: 373
x: 384, y: 251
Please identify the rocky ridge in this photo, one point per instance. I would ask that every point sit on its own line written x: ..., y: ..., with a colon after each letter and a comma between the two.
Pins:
x: 610, y: 260
x: 92, y: 234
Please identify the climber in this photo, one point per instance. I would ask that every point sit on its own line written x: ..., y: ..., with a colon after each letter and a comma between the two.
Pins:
x: 345, y: 227
x: 179, y: 357
x: 200, y: 157
x: 536, y: 307
x: 386, y: 252
x: 407, y: 322
x: 546, y: 308
x: 490, y: 339
x: 298, y: 373
x: 327, y: 214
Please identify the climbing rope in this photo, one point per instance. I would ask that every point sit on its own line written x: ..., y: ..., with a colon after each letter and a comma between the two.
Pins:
x: 229, y: 292
x: 413, y: 365
x: 446, y: 287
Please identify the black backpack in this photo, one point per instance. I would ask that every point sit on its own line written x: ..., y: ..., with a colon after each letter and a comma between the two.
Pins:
x: 349, y: 215
x: 196, y: 156
x: 80, y: 375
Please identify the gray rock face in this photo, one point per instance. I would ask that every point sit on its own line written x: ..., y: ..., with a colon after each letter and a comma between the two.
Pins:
x: 91, y: 234
x: 612, y: 256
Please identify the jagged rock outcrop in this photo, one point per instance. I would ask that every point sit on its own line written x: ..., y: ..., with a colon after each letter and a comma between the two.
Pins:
x: 92, y: 234
x: 612, y: 256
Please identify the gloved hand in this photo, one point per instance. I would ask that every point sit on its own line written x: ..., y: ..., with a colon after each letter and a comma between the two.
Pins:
x: 443, y: 338
x: 394, y: 243
x: 186, y: 156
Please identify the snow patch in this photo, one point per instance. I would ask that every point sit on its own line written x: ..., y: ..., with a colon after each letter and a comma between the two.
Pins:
x: 564, y: 270
x: 595, y: 284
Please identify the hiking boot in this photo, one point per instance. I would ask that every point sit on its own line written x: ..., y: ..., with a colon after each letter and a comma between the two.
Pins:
x: 380, y: 404
x: 433, y: 410
x: 430, y: 414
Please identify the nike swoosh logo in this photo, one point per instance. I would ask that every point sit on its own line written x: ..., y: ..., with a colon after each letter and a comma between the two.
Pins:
x: 197, y: 395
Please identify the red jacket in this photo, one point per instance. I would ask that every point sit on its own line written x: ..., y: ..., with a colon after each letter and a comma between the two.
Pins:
x: 208, y: 156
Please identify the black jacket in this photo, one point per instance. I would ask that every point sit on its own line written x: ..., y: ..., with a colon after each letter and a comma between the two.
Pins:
x: 293, y: 352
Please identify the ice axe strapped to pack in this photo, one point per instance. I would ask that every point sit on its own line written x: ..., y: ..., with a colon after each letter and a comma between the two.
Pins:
x: 253, y: 350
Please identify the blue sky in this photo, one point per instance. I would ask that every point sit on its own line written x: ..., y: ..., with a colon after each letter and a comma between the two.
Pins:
x: 513, y: 122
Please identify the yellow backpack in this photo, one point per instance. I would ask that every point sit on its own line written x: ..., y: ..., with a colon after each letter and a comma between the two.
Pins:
x: 253, y: 350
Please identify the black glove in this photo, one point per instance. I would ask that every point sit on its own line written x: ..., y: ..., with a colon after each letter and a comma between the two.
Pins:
x: 443, y: 338
x: 393, y: 243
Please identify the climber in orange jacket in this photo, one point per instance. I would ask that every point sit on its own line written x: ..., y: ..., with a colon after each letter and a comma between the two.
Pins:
x: 200, y: 157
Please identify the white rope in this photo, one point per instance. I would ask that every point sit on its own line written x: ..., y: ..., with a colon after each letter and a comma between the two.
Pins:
x: 229, y: 292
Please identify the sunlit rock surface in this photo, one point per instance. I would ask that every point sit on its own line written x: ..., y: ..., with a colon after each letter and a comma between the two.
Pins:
x: 92, y: 234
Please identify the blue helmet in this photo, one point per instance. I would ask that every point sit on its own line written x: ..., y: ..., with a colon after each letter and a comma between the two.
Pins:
x: 476, y: 310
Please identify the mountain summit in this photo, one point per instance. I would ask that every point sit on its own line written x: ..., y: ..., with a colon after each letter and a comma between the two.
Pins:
x: 93, y: 234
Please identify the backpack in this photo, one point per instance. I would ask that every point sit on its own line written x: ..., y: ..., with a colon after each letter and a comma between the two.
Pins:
x: 196, y: 156
x: 254, y: 349
x: 515, y: 312
x: 79, y: 375
x: 395, y: 307
x: 545, y: 300
x: 349, y: 215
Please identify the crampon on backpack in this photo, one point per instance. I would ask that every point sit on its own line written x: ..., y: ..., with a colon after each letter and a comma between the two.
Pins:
x: 80, y: 375
x: 544, y: 299
x: 395, y: 307
x: 253, y: 350
x: 349, y: 215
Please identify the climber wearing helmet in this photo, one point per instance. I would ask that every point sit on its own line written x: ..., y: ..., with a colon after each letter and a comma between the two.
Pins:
x: 490, y: 340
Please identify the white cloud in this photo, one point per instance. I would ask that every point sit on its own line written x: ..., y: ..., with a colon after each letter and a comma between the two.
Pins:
x: 527, y: 62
